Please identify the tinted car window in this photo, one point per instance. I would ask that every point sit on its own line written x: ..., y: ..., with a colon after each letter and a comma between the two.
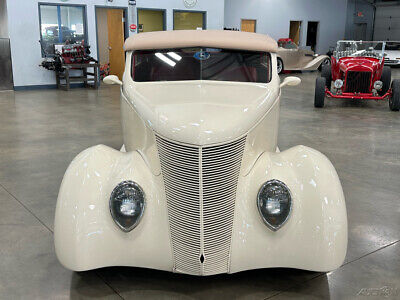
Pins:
x: 201, y: 64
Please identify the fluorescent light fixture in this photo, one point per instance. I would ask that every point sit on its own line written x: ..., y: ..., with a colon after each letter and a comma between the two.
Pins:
x: 165, y: 59
x: 175, y: 56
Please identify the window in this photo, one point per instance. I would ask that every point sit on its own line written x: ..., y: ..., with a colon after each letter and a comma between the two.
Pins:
x: 201, y: 64
x: 60, y: 24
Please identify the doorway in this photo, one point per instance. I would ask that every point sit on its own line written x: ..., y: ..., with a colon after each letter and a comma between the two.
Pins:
x: 150, y: 20
x: 189, y: 20
x: 294, y: 31
x: 360, y: 31
x: 312, y: 31
x: 111, y: 33
x: 248, y: 25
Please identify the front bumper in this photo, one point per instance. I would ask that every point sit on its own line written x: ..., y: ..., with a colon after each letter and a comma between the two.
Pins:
x: 314, y: 238
x: 367, y: 96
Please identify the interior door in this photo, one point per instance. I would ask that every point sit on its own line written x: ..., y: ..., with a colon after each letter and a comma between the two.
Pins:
x: 115, y: 26
x: 294, y: 31
x: 312, y: 31
x: 248, y: 25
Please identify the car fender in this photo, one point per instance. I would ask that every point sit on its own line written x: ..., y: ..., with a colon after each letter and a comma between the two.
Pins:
x: 315, y: 234
x: 86, y: 236
x: 315, y: 63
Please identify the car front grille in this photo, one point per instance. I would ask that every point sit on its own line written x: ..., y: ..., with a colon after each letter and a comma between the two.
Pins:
x: 200, y: 187
x: 358, y: 82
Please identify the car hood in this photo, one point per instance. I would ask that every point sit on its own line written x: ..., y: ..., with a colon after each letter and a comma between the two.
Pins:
x: 201, y: 112
x: 392, y: 54
x: 361, y: 64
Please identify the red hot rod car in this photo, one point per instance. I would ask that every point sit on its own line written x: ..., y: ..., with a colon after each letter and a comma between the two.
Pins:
x: 357, y: 71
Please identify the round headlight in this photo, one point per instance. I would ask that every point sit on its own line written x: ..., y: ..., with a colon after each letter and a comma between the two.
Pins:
x: 338, y: 83
x: 378, y: 85
x: 274, y: 203
x: 127, y: 205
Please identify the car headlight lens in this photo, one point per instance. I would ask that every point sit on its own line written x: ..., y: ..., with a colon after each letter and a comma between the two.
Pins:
x: 274, y: 203
x: 378, y: 85
x: 338, y: 83
x: 127, y: 205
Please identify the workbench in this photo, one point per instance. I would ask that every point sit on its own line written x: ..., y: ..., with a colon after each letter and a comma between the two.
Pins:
x: 65, y: 75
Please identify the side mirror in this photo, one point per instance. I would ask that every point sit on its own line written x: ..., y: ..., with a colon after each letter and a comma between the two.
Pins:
x: 112, y: 79
x: 291, y: 81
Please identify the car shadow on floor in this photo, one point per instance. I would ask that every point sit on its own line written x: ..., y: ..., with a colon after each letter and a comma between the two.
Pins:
x: 140, y: 283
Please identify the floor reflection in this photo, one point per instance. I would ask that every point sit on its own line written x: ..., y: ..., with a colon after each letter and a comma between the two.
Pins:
x: 139, y: 283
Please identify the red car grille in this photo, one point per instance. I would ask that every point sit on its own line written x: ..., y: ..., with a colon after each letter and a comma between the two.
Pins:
x: 358, y: 82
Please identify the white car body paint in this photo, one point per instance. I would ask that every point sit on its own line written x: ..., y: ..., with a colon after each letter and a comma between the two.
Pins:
x: 201, y: 114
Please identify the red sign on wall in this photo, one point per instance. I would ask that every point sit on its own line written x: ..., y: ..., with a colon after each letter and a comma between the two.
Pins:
x: 133, y: 27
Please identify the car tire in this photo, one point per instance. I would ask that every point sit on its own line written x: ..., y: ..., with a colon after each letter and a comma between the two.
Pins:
x: 326, y: 73
x: 386, y: 78
x: 394, y: 100
x: 319, y: 97
x: 279, y: 63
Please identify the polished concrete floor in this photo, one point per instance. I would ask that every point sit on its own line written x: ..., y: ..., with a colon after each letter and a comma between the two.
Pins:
x: 41, y: 132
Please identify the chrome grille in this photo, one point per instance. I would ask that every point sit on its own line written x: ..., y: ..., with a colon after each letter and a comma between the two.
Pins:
x: 358, y: 82
x: 200, y: 186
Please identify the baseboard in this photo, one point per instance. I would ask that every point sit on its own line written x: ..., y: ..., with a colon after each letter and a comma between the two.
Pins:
x: 44, y: 87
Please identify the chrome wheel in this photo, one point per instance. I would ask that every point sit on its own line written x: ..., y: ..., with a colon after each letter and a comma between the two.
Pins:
x: 279, y: 66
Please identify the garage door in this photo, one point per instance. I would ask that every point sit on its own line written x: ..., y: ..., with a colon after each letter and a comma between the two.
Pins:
x: 387, y: 23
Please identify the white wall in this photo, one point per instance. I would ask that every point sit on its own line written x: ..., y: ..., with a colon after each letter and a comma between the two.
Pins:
x: 23, y: 24
x: 3, y: 19
x: 273, y: 18
x: 214, y: 9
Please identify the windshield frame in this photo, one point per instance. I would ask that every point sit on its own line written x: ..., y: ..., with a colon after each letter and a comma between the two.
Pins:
x: 193, y: 51
x: 338, y: 54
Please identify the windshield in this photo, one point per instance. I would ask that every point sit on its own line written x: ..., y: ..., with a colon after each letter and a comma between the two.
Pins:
x: 201, y: 64
x: 359, y: 49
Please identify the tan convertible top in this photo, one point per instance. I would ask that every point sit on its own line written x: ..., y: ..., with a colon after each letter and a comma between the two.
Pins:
x: 225, y: 39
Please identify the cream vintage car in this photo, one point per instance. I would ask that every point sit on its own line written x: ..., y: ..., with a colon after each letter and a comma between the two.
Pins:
x: 202, y: 188
x: 294, y: 58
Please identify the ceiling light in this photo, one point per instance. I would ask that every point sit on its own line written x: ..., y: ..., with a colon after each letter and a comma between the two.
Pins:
x: 165, y: 59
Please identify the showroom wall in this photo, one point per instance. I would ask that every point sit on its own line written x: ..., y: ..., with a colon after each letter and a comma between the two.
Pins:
x: 273, y: 17
x: 359, y: 12
x: 23, y: 28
